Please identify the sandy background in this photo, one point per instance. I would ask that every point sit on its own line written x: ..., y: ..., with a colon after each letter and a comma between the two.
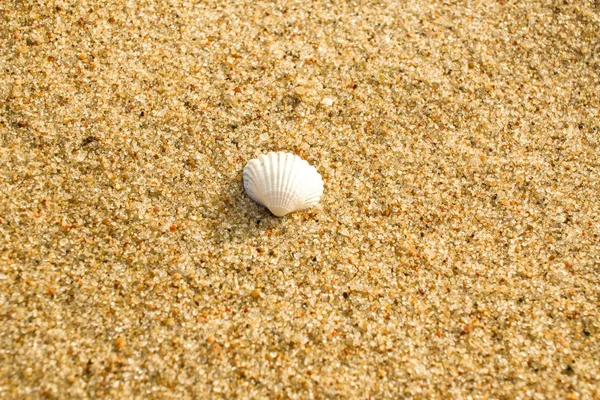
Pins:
x: 455, y: 252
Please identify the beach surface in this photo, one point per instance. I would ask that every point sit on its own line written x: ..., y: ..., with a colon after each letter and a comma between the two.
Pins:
x: 455, y: 252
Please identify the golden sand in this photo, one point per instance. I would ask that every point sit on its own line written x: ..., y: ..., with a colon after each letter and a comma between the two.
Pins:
x: 455, y: 252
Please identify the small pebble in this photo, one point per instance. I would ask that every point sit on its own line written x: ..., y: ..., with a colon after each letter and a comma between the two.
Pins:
x: 300, y: 91
x: 327, y: 101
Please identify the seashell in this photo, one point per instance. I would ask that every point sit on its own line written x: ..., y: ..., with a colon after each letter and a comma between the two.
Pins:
x: 282, y: 182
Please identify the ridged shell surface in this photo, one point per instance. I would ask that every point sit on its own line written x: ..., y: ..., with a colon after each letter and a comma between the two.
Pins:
x: 282, y: 182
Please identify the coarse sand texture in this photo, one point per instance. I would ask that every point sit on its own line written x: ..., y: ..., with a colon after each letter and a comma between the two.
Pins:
x: 454, y: 253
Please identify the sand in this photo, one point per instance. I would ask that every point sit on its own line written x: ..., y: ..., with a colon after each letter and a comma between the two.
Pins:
x: 455, y: 252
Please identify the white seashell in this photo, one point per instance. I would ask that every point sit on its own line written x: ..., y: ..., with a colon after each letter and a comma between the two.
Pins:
x: 282, y: 182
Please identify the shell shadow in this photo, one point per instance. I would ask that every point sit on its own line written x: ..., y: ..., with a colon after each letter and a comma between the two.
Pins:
x: 243, y: 219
